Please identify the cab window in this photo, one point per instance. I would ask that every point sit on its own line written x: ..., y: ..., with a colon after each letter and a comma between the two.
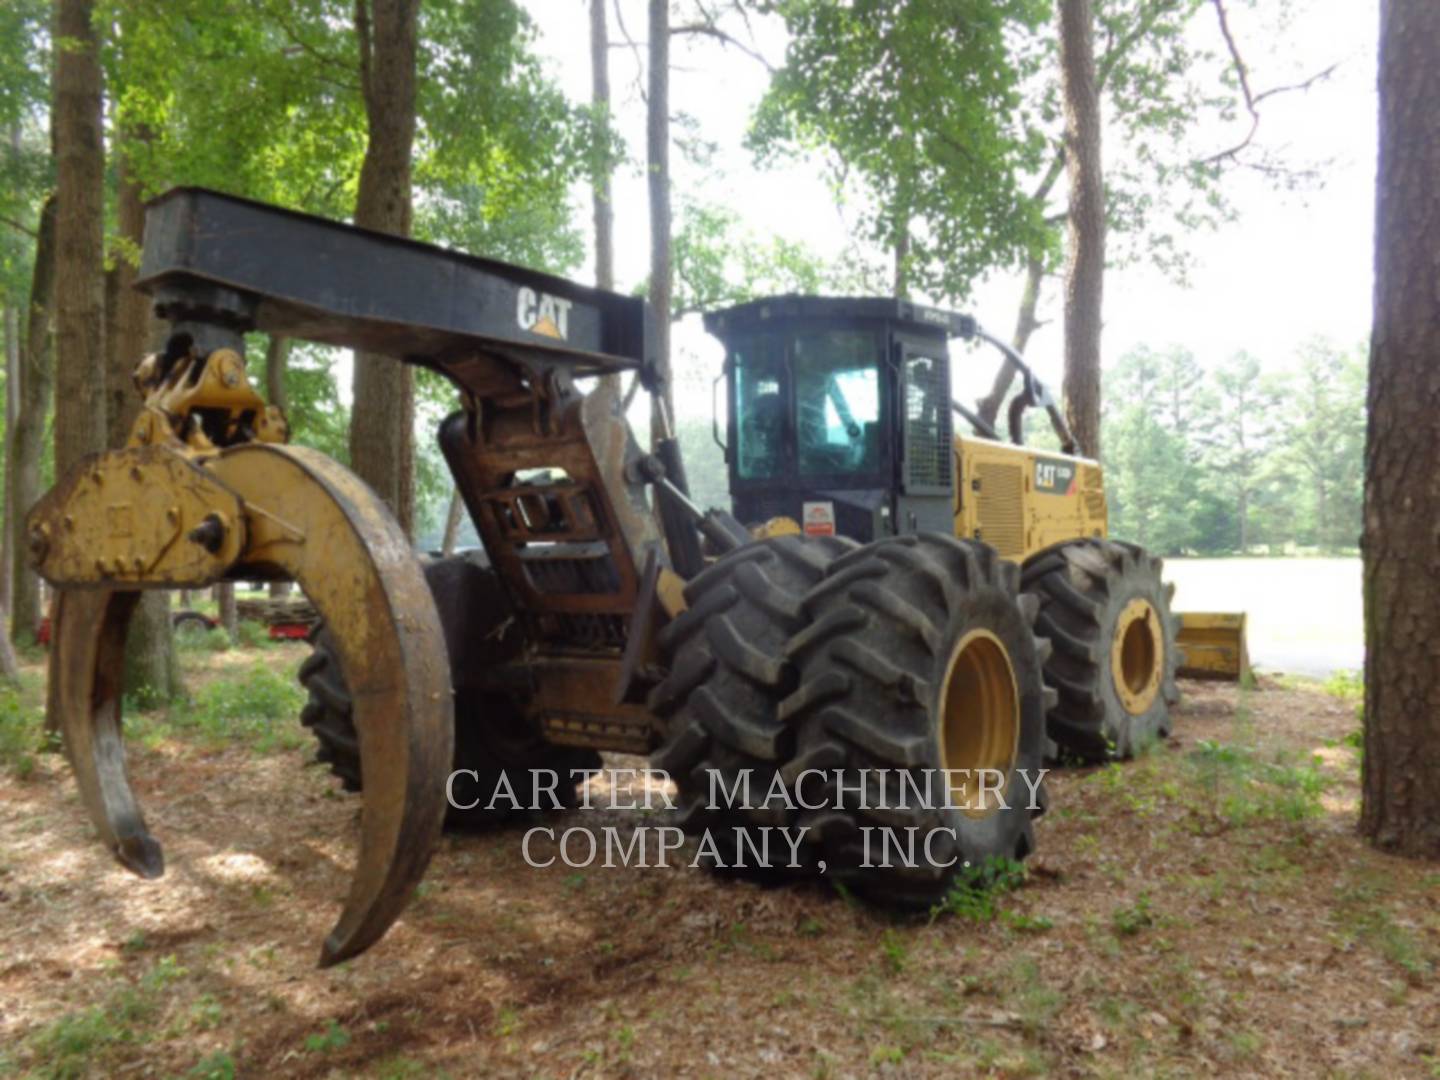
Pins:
x: 759, y: 406
x: 837, y: 402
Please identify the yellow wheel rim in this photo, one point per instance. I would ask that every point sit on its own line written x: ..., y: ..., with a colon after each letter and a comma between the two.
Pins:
x: 979, y: 722
x: 1137, y: 656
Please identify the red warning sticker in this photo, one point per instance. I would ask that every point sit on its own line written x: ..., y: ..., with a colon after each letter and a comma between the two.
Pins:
x: 819, y: 518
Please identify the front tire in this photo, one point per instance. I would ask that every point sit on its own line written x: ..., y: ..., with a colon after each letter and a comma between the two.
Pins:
x: 920, y: 665
x: 1106, y: 610
x: 727, y: 677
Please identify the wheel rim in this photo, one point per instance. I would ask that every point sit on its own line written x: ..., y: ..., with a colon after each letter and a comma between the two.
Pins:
x: 979, y: 722
x: 1137, y: 652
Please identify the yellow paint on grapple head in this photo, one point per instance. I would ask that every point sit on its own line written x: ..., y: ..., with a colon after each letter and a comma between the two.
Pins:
x: 1213, y: 645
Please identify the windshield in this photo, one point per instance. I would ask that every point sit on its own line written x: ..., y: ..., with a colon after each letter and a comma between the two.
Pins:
x: 836, y: 395
x: 837, y: 402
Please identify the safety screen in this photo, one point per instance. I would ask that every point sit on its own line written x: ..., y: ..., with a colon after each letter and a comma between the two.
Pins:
x: 929, y: 457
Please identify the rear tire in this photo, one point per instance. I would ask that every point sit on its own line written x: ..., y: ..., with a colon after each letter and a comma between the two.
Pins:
x: 492, y: 736
x: 920, y: 657
x: 1106, y: 610
x: 727, y: 677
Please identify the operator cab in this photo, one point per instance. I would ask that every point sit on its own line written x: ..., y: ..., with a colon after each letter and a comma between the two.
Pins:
x: 840, y: 415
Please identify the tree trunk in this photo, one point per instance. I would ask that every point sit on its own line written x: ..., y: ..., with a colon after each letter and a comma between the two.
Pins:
x: 901, y: 282
x: 1401, y: 764
x: 657, y: 145
x: 229, y: 615
x: 1025, y: 325
x: 152, y: 669
x: 277, y: 360
x: 27, y: 440
x: 382, y: 422
x: 603, y: 208
x: 79, y: 238
x: 1085, y: 255
x: 12, y: 508
x: 452, y: 525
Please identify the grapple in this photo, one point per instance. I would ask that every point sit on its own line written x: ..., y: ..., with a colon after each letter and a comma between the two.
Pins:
x: 207, y: 489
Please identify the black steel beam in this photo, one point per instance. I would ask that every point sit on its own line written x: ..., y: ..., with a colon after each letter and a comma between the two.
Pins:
x: 220, y: 259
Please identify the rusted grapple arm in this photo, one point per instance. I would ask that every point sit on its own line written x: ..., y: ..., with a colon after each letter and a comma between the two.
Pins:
x: 287, y: 512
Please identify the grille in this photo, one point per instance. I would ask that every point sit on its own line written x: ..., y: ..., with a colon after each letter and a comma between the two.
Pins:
x: 560, y: 576
x: 928, y: 454
x: 1000, y: 507
x: 1095, y: 504
x: 1090, y: 477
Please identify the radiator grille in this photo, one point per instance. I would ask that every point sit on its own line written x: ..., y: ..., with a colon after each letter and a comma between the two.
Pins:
x: 1090, y: 477
x: 1000, y: 507
x: 1095, y: 504
x: 928, y: 453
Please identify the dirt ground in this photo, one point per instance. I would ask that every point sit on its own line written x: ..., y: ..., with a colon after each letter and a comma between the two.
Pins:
x: 1206, y: 909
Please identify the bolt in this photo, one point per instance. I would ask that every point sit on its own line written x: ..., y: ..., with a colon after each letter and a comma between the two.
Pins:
x: 209, y: 534
x: 172, y: 516
x: 136, y: 474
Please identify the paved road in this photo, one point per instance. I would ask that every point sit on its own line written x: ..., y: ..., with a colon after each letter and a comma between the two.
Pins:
x: 1305, y: 614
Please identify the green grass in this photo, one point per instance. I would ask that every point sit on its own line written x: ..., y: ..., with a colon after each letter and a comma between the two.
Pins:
x: 976, y: 891
x: 79, y: 1043
x: 21, y: 734
x: 1243, y: 787
x: 254, y: 707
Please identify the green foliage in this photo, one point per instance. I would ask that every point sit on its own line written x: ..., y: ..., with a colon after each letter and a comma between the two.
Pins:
x: 217, y: 1066
x: 1346, y: 685
x: 1129, y: 921
x: 977, y: 887
x: 1196, y: 458
x: 334, y: 1037
x: 922, y: 101
x: 894, y: 953
x: 78, y: 1043
x: 1243, y: 787
x: 254, y: 635
x: 252, y: 708
x: 718, y: 262
x: 20, y: 733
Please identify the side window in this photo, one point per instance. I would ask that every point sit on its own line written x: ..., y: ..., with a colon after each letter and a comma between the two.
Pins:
x: 759, y: 406
x: 928, y: 453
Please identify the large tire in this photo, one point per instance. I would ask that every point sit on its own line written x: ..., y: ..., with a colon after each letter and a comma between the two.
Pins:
x: 727, y: 677
x: 904, y: 669
x: 492, y: 736
x: 1106, y: 610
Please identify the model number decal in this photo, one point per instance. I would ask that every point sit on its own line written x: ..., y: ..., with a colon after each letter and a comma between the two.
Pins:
x: 1054, y: 476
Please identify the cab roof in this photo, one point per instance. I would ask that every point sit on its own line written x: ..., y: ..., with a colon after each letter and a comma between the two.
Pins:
x: 905, y: 314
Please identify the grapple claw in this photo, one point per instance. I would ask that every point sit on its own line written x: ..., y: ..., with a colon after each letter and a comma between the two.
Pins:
x: 311, y: 520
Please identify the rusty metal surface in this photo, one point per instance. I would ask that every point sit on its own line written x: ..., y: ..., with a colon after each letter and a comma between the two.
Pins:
x: 574, y: 704
x: 309, y: 519
x: 314, y: 519
x: 125, y: 519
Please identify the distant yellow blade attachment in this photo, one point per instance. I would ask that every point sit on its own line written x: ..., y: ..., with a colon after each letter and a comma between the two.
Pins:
x: 1213, y: 646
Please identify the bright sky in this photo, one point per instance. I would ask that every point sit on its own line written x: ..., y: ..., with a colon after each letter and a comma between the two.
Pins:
x: 1293, y: 266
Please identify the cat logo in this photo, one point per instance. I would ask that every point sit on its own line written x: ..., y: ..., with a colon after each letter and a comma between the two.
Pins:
x: 541, y: 313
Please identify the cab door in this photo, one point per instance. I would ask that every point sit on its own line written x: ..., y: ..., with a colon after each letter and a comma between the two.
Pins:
x: 926, y: 480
